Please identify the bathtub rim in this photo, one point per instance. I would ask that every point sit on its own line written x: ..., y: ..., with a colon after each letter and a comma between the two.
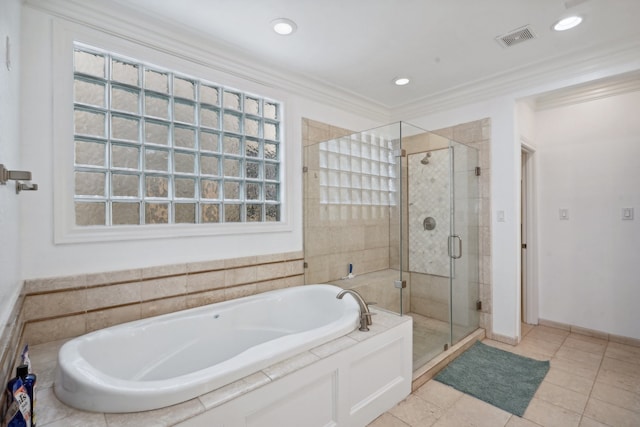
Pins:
x: 161, y: 393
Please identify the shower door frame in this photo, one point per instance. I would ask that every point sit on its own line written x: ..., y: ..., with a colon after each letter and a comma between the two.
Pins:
x: 461, y: 305
x: 459, y: 260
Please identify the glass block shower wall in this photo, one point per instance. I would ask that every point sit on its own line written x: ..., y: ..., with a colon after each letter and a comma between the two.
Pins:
x: 357, y: 170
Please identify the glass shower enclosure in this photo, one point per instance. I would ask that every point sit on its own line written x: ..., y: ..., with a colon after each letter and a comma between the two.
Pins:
x: 392, y: 213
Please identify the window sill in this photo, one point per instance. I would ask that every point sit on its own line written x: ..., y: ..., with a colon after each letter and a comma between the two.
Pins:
x: 164, y: 231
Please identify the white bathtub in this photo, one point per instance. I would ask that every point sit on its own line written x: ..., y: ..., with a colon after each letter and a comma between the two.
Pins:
x: 164, y: 360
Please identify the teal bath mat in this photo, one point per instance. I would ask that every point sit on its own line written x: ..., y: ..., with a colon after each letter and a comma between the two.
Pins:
x: 503, y: 379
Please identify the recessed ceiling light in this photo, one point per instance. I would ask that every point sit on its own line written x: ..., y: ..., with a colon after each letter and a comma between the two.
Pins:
x: 401, y: 81
x: 284, y: 26
x: 567, y: 23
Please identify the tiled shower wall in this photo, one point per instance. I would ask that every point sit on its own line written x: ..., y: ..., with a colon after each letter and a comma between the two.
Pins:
x: 430, y: 292
x: 368, y: 236
x: 338, y: 234
x: 429, y: 189
x: 476, y: 134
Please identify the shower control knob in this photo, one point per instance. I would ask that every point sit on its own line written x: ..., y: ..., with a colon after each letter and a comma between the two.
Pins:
x: 429, y: 223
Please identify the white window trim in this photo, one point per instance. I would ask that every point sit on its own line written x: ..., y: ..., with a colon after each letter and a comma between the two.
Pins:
x: 65, y: 229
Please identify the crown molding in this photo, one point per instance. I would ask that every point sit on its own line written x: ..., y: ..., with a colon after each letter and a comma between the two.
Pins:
x: 166, y: 36
x: 590, y: 91
x: 584, y: 65
x: 183, y: 42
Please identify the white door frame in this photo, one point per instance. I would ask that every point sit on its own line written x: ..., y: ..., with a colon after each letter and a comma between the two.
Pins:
x: 530, y: 264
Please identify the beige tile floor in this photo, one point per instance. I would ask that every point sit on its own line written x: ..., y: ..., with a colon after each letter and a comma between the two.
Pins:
x: 591, y: 383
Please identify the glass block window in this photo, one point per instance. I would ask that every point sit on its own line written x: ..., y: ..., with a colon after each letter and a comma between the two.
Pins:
x: 153, y: 146
x: 357, y: 170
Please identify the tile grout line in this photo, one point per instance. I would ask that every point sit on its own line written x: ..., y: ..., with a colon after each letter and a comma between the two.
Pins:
x: 553, y: 356
x: 593, y: 385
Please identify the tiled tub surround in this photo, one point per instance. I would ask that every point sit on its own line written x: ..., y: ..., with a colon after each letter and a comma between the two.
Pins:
x: 63, y: 307
x: 320, y: 373
x: 66, y: 307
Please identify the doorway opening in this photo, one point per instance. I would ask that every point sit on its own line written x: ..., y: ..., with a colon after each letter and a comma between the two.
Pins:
x: 528, y: 259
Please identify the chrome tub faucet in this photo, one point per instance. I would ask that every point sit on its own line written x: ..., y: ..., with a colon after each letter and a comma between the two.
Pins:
x: 365, y: 314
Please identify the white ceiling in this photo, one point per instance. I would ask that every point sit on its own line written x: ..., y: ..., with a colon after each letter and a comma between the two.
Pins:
x: 359, y: 46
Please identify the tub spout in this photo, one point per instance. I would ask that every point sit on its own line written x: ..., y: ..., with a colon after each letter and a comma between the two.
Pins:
x: 365, y: 314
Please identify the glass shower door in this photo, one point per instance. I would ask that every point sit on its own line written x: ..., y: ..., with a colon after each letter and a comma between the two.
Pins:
x: 464, y: 241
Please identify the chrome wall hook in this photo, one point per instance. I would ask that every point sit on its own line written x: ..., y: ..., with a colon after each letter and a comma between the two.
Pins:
x: 21, y: 186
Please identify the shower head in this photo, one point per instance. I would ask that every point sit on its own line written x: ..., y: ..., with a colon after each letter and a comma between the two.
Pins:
x: 425, y: 160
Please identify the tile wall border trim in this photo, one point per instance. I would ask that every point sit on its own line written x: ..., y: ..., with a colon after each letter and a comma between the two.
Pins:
x: 108, y: 307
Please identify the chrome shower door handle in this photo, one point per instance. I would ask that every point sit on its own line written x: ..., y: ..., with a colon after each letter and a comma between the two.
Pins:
x: 455, y: 236
x: 451, y: 254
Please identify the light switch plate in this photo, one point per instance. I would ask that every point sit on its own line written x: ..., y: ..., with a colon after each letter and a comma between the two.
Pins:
x: 564, y: 214
x: 627, y: 213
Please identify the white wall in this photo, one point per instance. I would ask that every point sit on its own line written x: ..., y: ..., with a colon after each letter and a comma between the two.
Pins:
x: 41, y: 130
x: 9, y: 156
x: 526, y: 117
x: 588, y: 156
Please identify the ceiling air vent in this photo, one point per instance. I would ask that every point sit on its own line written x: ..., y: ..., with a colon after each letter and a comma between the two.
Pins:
x: 516, y: 36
